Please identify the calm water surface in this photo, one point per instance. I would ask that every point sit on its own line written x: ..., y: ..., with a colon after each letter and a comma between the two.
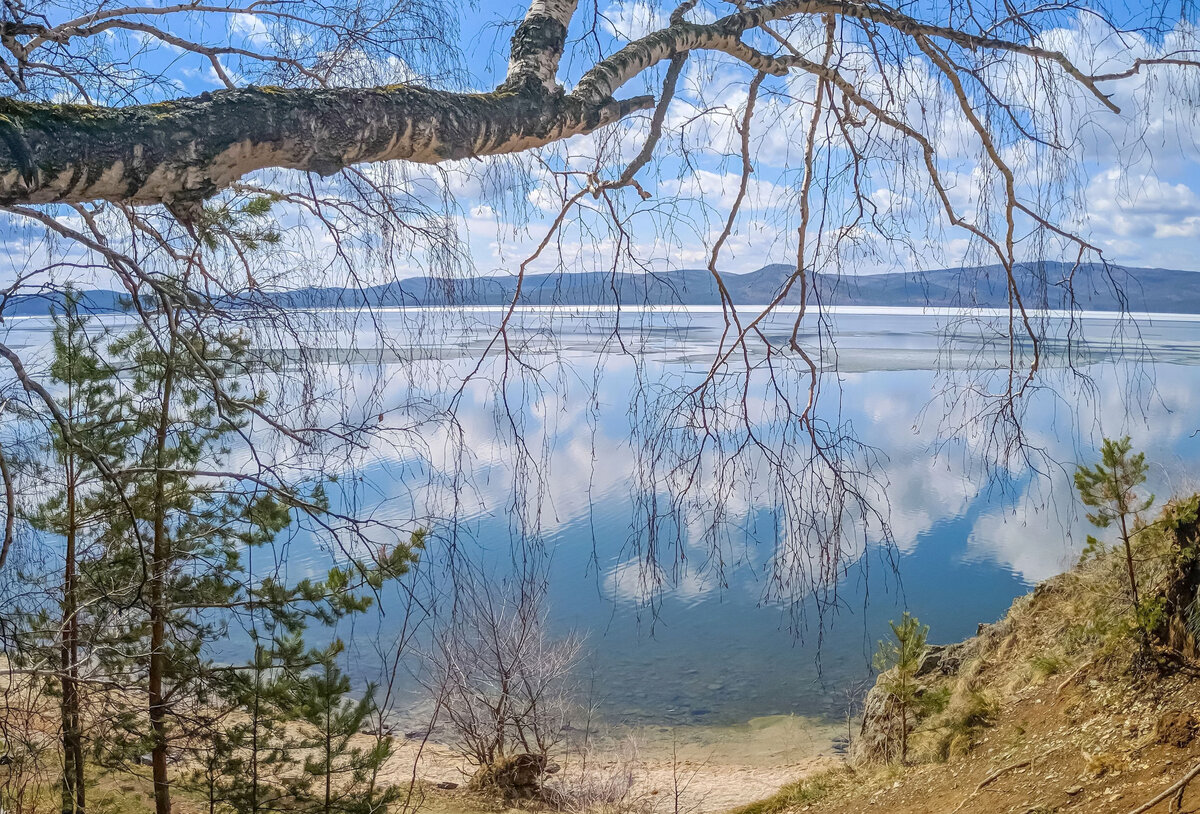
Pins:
x: 712, y: 649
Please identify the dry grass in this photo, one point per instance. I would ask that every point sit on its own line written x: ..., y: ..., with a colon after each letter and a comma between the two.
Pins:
x: 1055, y: 709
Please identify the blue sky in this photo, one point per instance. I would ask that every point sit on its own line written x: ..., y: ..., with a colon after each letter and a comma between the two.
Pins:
x: 1130, y: 182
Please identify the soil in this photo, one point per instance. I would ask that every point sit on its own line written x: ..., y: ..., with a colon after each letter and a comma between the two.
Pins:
x: 1081, y: 718
x: 1055, y: 752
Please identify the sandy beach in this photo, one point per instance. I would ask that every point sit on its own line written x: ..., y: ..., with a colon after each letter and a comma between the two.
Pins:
x: 696, y: 769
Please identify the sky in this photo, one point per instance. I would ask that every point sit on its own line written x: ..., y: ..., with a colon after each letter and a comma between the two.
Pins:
x: 1134, y: 175
x: 1129, y: 182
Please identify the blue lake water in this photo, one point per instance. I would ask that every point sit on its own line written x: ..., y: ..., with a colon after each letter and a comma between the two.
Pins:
x: 701, y: 641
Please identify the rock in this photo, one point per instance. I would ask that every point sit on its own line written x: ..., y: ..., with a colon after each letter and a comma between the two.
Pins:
x: 931, y: 660
x: 879, y: 733
x: 1175, y: 729
x: 1071, y: 792
x: 447, y: 785
x: 956, y: 655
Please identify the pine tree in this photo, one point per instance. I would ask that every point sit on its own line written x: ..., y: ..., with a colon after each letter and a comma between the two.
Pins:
x: 95, y: 429
x: 178, y: 566
x: 898, y: 660
x: 1110, y: 487
x: 175, y: 559
x: 255, y: 768
x: 343, y: 775
x: 159, y: 549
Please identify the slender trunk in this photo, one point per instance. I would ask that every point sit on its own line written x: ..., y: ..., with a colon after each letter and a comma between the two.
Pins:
x: 1133, y: 588
x: 328, y: 749
x: 158, y: 610
x: 211, y: 779
x: 254, y: 730
x: 73, y: 795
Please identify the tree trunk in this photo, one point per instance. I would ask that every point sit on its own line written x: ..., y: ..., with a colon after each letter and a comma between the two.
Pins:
x: 181, y: 151
x: 73, y: 793
x: 1133, y: 587
x: 158, y: 610
x: 255, y: 720
x: 328, y: 752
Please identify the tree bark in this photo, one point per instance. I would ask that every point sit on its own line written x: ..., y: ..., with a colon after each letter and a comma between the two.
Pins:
x: 10, y: 508
x: 158, y: 611
x: 186, y: 150
x: 538, y: 42
x: 182, y: 151
x: 73, y: 791
x: 1128, y: 543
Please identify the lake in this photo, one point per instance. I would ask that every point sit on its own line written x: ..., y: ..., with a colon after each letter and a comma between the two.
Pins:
x: 708, y: 638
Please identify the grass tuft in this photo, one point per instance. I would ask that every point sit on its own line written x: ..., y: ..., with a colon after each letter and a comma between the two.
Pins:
x: 802, y: 792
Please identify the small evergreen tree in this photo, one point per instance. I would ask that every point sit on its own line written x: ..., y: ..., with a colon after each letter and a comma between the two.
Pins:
x: 251, y: 765
x: 897, y: 660
x: 343, y: 775
x: 1110, y: 487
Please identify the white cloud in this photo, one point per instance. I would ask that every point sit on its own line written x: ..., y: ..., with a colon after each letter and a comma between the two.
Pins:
x: 1032, y: 541
x: 1142, y: 219
x: 632, y: 20
x: 720, y: 189
x: 249, y: 26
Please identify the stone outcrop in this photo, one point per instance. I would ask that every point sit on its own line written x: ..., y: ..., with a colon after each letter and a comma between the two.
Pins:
x: 879, y: 733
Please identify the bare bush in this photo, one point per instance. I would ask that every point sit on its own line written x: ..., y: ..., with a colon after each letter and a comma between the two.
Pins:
x: 595, y: 781
x: 506, y: 685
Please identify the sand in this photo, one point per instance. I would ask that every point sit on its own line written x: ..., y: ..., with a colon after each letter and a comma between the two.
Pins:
x: 690, y: 770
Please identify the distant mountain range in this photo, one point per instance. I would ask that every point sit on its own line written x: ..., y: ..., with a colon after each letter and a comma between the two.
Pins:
x: 1042, y: 285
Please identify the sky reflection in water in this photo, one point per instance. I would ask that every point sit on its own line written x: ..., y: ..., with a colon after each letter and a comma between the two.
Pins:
x: 711, y: 650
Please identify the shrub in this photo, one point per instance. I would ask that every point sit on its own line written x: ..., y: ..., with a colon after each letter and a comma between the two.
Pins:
x: 898, y: 660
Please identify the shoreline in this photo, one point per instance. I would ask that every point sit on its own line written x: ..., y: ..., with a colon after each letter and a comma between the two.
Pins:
x: 700, y: 769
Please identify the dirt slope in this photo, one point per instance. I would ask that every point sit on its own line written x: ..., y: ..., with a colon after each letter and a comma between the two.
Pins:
x: 1052, y: 709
